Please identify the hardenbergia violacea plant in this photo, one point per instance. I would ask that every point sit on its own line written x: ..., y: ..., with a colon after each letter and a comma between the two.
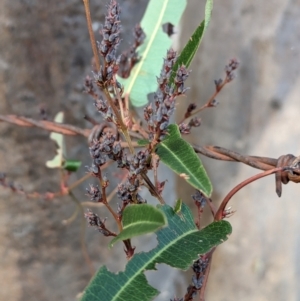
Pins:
x: 137, y: 144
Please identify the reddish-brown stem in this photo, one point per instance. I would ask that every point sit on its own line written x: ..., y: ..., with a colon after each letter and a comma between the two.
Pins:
x: 105, y: 202
x: 212, y: 207
x: 51, y: 126
x: 209, y: 102
x: 91, y: 33
x: 129, y: 249
x: 220, y: 213
x: 206, y: 274
x: 199, y: 212
x: 91, y: 120
x: 153, y: 189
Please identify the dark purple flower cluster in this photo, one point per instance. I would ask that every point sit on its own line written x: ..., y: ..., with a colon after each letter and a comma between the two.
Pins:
x: 199, y: 198
x: 229, y: 69
x: 95, y: 221
x: 94, y: 193
x: 105, y: 110
x: 107, y: 147
x: 165, y: 73
x: 158, y: 114
x: 199, y: 267
x: 139, y: 163
x: 89, y: 85
x: 130, y: 57
x: 185, y: 128
x: 109, y: 44
x: 127, y: 192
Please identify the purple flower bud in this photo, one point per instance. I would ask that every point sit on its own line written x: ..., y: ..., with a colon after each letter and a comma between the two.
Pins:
x: 199, y: 198
x: 94, y: 193
x: 197, y: 282
x: 164, y: 125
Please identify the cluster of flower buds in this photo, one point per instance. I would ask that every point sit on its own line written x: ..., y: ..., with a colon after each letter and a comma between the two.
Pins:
x: 105, y: 110
x: 130, y: 57
x: 109, y: 44
x: 199, y: 199
x: 218, y: 83
x: 107, y: 147
x: 94, y: 193
x: 229, y: 69
x: 89, y: 85
x: 95, y: 221
x: 127, y: 192
x: 185, y: 128
x: 165, y: 73
x: 139, y: 163
x: 197, y: 282
x: 199, y: 268
x: 158, y: 114
x: 98, y: 157
x: 200, y: 265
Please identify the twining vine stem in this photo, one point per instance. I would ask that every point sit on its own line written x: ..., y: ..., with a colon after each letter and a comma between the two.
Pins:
x: 220, y: 213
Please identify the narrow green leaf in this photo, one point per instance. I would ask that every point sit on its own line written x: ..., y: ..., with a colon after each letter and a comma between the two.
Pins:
x: 71, y: 165
x: 186, y: 56
x: 179, y: 245
x: 180, y: 156
x: 142, y: 80
x: 143, y: 142
x: 138, y: 220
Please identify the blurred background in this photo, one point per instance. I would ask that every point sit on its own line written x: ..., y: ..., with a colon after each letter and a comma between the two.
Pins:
x: 45, y: 55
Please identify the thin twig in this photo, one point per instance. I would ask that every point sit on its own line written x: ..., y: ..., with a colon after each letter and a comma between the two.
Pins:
x: 153, y: 189
x: 51, y: 126
x: 91, y: 33
x: 109, y: 197
x: 105, y: 202
x: 206, y: 274
x: 209, y: 102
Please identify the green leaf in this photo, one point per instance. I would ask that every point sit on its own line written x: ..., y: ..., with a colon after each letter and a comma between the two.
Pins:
x: 142, y: 80
x: 143, y: 142
x: 57, y: 161
x: 138, y: 220
x: 71, y: 165
x: 180, y: 156
x: 190, y: 49
x: 179, y: 245
x: 178, y: 205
